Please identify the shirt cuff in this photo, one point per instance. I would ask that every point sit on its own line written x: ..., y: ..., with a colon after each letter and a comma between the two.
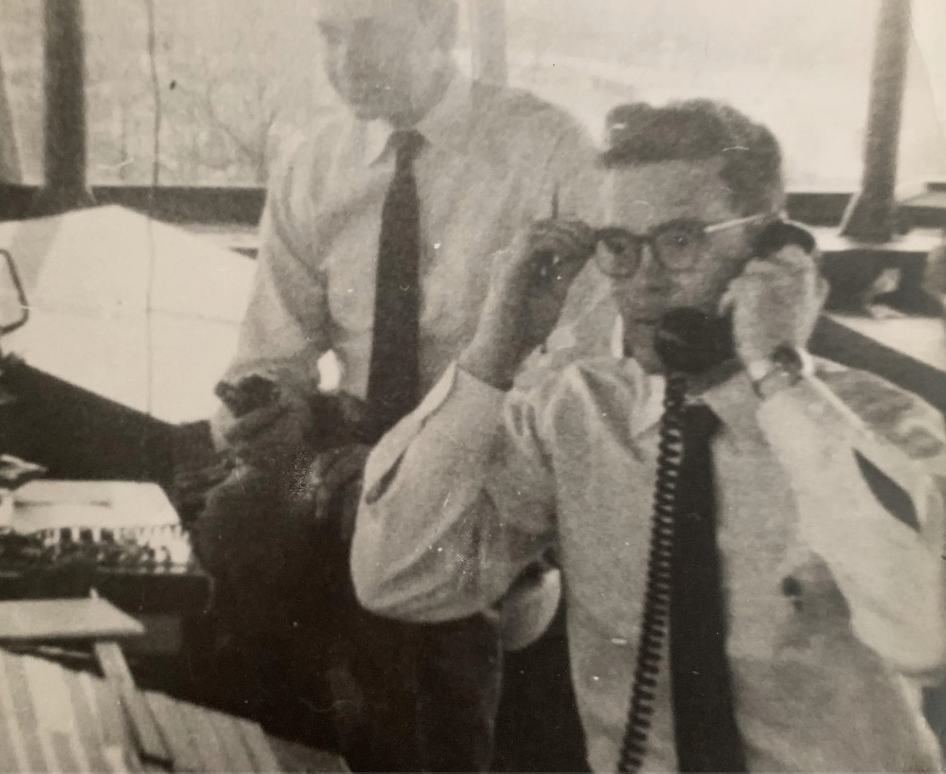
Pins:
x: 758, y: 369
x: 809, y: 401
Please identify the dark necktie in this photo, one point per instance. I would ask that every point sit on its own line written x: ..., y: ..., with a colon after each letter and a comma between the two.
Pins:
x: 394, y: 375
x: 707, y: 736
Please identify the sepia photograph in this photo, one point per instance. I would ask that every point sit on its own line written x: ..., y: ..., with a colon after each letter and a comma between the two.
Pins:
x: 472, y: 386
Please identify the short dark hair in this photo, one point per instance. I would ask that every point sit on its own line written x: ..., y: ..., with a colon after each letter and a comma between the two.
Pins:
x: 697, y: 130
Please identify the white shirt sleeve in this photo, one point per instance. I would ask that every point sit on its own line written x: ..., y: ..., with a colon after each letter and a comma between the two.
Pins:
x: 458, y: 500
x: 286, y: 326
x: 873, y: 510
x: 285, y: 330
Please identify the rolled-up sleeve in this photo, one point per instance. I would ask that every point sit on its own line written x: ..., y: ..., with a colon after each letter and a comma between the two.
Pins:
x: 458, y: 500
x: 872, y: 508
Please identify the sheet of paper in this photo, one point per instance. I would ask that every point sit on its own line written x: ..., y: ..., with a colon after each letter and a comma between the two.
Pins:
x: 45, y: 504
x: 64, y: 618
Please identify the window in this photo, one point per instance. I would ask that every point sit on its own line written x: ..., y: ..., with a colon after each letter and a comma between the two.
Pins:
x: 802, y: 67
x: 236, y: 78
x: 923, y: 138
x: 21, y: 65
x: 230, y: 75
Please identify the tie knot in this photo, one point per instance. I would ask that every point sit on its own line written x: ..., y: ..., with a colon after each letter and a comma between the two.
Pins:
x: 407, y: 144
x: 700, y: 421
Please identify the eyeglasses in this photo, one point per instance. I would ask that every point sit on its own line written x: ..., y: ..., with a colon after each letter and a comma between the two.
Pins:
x: 678, y: 245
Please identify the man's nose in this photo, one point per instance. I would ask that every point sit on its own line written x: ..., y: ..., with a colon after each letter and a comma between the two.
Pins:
x: 651, y: 272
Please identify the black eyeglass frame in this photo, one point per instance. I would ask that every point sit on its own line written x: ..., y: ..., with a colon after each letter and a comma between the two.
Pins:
x: 697, y: 229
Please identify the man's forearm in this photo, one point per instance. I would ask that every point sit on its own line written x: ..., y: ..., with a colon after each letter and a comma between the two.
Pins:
x: 430, y: 543
x: 486, y: 363
x: 415, y: 553
x: 874, y: 516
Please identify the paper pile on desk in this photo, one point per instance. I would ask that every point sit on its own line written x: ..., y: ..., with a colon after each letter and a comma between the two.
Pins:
x: 54, y: 719
x: 43, y: 504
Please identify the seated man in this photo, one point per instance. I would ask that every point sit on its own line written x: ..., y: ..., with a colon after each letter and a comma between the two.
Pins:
x: 792, y: 598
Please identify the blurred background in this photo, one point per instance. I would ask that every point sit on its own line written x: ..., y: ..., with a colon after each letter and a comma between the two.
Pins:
x: 240, y: 77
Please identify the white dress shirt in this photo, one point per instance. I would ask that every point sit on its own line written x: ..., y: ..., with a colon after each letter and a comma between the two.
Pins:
x: 836, y: 605
x: 492, y: 161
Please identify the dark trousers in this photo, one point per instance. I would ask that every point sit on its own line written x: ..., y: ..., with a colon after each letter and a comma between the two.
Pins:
x: 392, y: 696
x: 418, y: 698
x: 538, y: 727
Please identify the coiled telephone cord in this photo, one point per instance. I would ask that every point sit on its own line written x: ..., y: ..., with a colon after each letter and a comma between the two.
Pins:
x: 656, y: 618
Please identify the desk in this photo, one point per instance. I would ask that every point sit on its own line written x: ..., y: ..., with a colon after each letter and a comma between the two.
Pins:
x: 852, y: 268
x: 910, y: 353
x: 920, y: 338
x: 169, y: 599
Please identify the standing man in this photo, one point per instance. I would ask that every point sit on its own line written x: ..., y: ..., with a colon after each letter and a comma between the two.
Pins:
x: 782, y: 604
x: 377, y: 239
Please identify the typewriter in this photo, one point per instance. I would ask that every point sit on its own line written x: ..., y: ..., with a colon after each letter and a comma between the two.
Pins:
x: 146, y: 549
x: 122, y: 538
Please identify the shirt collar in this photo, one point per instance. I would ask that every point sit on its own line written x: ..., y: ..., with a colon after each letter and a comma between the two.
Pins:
x: 734, y: 401
x: 731, y: 396
x: 436, y: 127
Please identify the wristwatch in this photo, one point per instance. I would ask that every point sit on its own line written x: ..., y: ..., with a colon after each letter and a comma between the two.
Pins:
x: 785, y: 368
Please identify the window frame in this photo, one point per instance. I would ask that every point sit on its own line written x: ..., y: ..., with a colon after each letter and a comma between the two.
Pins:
x: 242, y: 205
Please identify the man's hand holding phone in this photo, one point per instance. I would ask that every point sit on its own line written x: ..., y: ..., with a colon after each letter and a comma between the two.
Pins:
x: 775, y: 303
x: 529, y: 283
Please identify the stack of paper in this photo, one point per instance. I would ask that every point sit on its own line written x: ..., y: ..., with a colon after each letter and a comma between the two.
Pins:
x: 54, y: 719
x: 46, y: 504
x: 53, y: 619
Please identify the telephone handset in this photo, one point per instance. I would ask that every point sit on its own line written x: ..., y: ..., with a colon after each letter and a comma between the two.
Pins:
x: 689, y: 342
